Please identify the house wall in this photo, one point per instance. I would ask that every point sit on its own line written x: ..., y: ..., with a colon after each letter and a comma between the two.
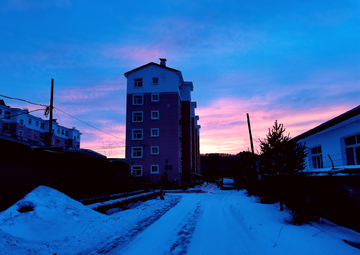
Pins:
x: 332, y: 142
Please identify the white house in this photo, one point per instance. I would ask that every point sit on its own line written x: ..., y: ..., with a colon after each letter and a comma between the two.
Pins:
x: 335, y: 143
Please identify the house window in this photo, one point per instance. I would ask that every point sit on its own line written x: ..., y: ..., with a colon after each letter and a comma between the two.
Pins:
x: 316, y: 157
x: 37, y: 123
x: 7, y: 115
x: 137, y: 116
x: 42, y: 125
x: 62, y: 131
x: 138, y: 99
x: 58, y: 131
x: 352, y: 148
x: 154, y: 169
x: 136, y: 152
x: 29, y: 121
x: 28, y: 133
x: 21, y: 122
x: 154, y: 132
x: 42, y: 136
x: 6, y: 127
x: 154, y: 150
x: 138, y: 83
x: 66, y: 133
x: 154, y: 115
x: 66, y: 141
x: 21, y: 134
x: 155, y: 80
x: 137, y: 134
x: 136, y: 170
x: 155, y: 97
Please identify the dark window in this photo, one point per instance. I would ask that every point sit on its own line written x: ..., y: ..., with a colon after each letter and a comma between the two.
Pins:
x: 6, y: 127
x: 350, y: 140
x: 350, y: 156
x: 138, y: 83
x: 155, y: 80
x: 7, y: 115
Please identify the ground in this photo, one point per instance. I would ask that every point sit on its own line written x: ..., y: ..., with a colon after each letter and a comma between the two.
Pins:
x: 203, y: 221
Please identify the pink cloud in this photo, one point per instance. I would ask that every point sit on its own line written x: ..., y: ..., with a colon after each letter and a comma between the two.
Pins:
x: 224, y: 126
x: 136, y: 54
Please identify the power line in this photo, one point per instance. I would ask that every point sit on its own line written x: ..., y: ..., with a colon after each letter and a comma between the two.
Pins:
x: 8, y: 117
x: 14, y: 98
x: 89, y: 124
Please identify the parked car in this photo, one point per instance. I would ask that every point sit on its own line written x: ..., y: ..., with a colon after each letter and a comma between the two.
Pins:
x: 227, y: 183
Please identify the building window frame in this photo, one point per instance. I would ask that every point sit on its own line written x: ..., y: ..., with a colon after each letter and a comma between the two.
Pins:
x: 155, y: 80
x: 352, y: 149
x: 154, y: 169
x: 136, y: 170
x: 137, y: 116
x: 154, y: 132
x: 155, y: 115
x: 138, y: 99
x: 154, y: 97
x: 138, y: 82
x: 137, y: 134
x: 136, y: 152
x: 316, y: 157
x: 154, y: 150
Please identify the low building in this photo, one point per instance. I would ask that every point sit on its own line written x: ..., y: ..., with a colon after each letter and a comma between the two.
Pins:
x: 21, y: 125
x: 335, y: 144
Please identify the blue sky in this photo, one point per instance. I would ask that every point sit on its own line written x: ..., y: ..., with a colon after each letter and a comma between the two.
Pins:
x: 294, y: 61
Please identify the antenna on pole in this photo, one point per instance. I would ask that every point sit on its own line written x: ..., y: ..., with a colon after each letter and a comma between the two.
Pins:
x: 51, y: 112
x: 251, y: 141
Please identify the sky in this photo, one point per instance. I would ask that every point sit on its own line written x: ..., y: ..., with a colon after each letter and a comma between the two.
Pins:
x: 297, y: 62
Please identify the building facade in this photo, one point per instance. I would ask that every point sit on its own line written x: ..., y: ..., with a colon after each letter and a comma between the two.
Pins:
x: 159, y: 135
x: 334, y: 143
x: 20, y: 124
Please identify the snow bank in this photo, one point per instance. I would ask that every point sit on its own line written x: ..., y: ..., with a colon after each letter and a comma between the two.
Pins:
x: 66, y: 216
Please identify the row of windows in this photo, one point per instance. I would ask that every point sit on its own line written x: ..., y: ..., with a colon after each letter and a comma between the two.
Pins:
x: 137, y: 116
x: 137, y: 134
x: 42, y: 125
x: 138, y: 169
x: 137, y: 152
x: 138, y: 99
x: 138, y: 82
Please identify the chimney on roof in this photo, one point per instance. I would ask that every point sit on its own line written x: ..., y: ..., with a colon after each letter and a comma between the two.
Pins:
x: 162, y: 61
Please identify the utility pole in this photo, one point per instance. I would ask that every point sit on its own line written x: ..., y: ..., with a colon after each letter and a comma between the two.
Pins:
x: 51, y: 112
x: 251, y: 141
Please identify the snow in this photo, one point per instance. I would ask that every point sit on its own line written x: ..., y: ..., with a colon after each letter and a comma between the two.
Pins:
x: 208, y: 222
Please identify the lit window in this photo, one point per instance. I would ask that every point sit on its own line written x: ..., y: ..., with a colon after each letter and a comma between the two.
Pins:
x: 154, y: 132
x: 138, y: 99
x: 155, y: 97
x: 137, y: 134
x: 154, y: 115
x: 154, y: 169
x: 154, y: 150
x: 138, y: 83
x: 137, y: 116
x: 155, y: 80
x: 136, y: 170
x: 136, y: 152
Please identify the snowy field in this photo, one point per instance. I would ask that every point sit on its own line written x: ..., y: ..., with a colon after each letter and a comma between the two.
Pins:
x: 208, y: 222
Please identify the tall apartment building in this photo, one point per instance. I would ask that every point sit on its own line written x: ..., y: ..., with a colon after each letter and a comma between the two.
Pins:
x: 162, y: 134
x: 21, y: 125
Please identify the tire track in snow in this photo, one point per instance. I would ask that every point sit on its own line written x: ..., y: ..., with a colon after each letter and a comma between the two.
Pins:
x: 128, y: 237
x: 185, y: 234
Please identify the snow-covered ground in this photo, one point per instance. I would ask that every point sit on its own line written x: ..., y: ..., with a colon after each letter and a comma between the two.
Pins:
x: 208, y: 222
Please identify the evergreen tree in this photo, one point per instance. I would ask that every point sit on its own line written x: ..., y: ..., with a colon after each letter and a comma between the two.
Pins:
x: 280, y: 156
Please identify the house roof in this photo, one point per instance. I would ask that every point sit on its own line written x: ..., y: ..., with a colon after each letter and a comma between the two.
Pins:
x: 151, y: 63
x: 345, y: 116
